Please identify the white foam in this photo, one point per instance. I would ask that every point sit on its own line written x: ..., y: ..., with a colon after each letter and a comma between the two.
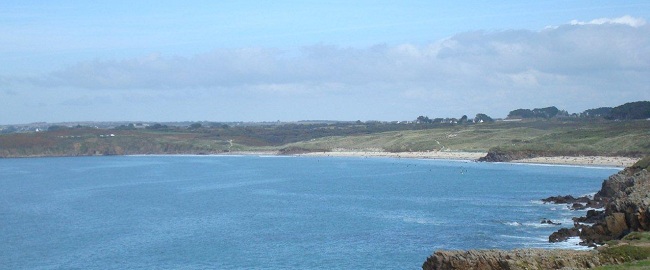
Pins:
x: 572, y: 243
x: 513, y: 223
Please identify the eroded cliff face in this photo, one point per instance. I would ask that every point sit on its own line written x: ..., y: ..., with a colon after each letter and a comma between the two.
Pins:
x: 626, y: 197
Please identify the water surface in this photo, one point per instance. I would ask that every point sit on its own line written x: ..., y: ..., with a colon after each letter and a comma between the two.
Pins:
x: 248, y: 212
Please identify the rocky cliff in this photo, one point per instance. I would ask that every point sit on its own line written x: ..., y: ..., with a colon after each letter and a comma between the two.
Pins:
x: 626, y: 198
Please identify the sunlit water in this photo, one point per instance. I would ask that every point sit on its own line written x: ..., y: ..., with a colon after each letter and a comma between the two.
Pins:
x: 248, y: 212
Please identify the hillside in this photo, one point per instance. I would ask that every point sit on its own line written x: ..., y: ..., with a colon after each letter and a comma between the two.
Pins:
x: 504, y: 140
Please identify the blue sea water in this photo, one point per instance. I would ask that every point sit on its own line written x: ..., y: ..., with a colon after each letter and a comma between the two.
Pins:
x: 255, y: 212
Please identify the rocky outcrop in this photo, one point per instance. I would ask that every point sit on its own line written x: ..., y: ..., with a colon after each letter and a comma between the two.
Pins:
x: 530, y: 259
x: 627, y: 207
x: 496, y: 155
x: 626, y: 199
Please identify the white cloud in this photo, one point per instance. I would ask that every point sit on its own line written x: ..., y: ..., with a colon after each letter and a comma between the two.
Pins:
x: 575, y: 66
x: 625, y: 20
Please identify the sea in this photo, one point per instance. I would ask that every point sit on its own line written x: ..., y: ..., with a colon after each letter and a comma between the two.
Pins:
x: 274, y: 212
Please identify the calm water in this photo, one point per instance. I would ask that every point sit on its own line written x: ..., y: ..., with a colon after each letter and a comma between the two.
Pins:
x: 229, y: 212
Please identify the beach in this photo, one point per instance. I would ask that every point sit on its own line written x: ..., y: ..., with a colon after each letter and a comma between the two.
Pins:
x: 582, y: 161
x: 460, y: 155
x: 456, y: 155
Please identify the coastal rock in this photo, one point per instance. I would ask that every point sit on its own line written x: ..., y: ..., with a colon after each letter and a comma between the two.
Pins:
x: 592, y: 216
x: 505, y: 156
x: 548, y: 221
x: 563, y: 234
x: 568, y: 199
x: 626, y: 196
x: 514, y: 260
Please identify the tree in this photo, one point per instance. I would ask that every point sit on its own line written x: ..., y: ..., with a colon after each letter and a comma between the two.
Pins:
x: 631, y: 111
x: 195, y: 126
x: 482, y: 118
x: 521, y: 113
x: 597, y: 112
x: 423, y: 119
x: 463, y: 119
x: 548, y: 112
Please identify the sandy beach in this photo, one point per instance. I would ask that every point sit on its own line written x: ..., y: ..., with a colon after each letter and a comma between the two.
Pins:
x: 428, y: 155
x: 582, y: 161
x: 459, y: 155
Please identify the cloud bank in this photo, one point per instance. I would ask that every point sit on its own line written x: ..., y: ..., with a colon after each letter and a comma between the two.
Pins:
x: 579, y: 65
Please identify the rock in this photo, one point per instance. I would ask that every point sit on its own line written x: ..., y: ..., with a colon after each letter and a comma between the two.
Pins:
x: 626, y: 199
x: 559, y: 199
x: 578, y: 206
x: 616, y: 225
x: 627, y: 208
x: 548, y: 221
x: 592, y: 216
x: 568, y: 199
x: 563, y: 234
x: 515, y: 259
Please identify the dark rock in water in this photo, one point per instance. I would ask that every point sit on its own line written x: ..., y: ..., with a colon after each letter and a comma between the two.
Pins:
x: 568, y: 199
x: 559, y: 199
x: 563, y: 234
x: 578, y: 206
x: 548, y: 221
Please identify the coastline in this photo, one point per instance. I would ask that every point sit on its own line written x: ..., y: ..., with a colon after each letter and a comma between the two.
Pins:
x: 453, y: 155
x: 588, y: 161
x: 597, y: 161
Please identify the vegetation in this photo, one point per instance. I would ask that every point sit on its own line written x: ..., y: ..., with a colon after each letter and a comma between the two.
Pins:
x: 546, y: 113
x: 539, y: 132
x: 632, y: 252
x: 599, y: 138
x: 630, y: 111
x: 543, y: 137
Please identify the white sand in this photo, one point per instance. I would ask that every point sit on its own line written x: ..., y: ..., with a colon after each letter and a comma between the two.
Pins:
x: 582, y: 161
x: 459, y: 155
x: 430, y: 155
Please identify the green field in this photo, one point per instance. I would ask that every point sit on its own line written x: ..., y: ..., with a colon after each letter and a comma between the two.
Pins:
x: 539, y: 137
x: 543, y: 137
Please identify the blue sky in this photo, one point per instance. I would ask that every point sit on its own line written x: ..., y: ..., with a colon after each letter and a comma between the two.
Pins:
x: 299, y: 60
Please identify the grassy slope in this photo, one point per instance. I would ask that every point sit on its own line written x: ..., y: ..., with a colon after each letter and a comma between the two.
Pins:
x: 630, y: 138
x: 634, y: 250
x: 555, y: 138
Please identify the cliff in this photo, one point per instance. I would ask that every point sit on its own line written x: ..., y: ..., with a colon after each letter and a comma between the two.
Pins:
x: 626, y: 197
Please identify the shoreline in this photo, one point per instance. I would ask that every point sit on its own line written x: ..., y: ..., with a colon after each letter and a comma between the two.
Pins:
x: 589, y: 161
x: 583, y: 161
x: 596, y: 161
x: 448, y: 155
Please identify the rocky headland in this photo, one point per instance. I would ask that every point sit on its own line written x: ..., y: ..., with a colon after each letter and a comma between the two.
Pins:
x: 625, y: 202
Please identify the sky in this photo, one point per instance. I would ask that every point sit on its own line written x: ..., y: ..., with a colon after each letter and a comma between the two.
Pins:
x: 66, y: 61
